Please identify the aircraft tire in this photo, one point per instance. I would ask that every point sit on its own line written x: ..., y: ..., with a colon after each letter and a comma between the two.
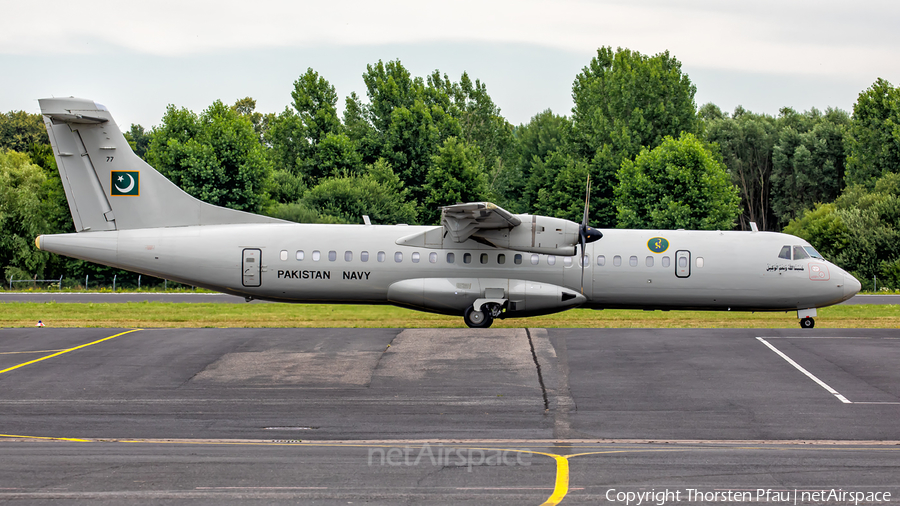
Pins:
x: 807, y: 323
x: 477, y: 319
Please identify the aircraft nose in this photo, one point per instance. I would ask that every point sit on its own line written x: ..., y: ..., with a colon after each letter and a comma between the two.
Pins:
x: 851, y: 285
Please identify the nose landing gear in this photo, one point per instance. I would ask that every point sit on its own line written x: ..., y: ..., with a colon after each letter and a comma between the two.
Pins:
x: 806, y: 317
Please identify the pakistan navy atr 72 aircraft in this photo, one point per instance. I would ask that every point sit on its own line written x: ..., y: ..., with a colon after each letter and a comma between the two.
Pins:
x: 482, y: 263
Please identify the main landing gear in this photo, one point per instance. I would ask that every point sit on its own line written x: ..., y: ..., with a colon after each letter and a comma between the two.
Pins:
x: 484, y: 318
x: 807, y: 323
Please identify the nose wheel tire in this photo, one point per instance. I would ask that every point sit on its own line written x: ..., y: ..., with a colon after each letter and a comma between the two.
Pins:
x: 807, y: 323
x: 477, y: 319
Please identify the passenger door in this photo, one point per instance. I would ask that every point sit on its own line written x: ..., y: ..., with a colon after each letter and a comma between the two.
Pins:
x: 251, y: 267
x: 682, y: 263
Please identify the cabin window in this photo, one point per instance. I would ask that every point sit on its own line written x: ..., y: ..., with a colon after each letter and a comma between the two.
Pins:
x: 699, y: 261
x: 567, y: 261
x: 283, y: 255
x: 666, y: 261
x: 551, y: 259
x: 415, y: 257
x: 432, y: 257
x: 813, y: 253
x: 332, y: 256
x: 800, y: 253
x: 451, y: 258
x: 785, y: 253
x: 617, y: 260
x: 649, y: 261
x: 398, y: 257
x: 601, y: 260
x: 632, y: 261
x: 682, y: 262
x: 467, y: 258
x: 535, y: 259
x: 348, y: 256
x: 380, y: 256
x: 501, y: 259
x: 316, y: 256
x: 300, y: 254
x: 517, y: 259
x: 363, y: 256
x: 484, y: 258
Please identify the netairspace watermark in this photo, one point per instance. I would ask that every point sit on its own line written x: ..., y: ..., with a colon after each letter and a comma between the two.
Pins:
x: 440, y: 455
x: 760, y: 495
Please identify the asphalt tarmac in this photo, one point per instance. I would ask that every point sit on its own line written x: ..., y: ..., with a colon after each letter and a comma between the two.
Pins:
x: 94, y: 297
x: 449, y: 416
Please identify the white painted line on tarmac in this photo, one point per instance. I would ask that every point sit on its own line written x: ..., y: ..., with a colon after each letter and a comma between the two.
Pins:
x: 804, y: 371
x: 822, y: 337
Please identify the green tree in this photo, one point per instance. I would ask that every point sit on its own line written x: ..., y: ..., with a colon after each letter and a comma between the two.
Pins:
x: 873, y: 141
x: 405, y: 121
x: 215, y: 157
x: 567, y: 176
x: 289, y: 148
x: 678, y: 184
x: 626, y: 101
x: 246, y: 107
x: 309, y: 140
x: 859, y: 231
x: 19, y: 131
x: 808, y: 161
x: 138, y: 139
x: 24, y: 213
x: 456, y: 176
x: 379, y: 194
x: 544, y: 136
x: 316, y: 103
x: 746, y: 142
x: 484, y: 127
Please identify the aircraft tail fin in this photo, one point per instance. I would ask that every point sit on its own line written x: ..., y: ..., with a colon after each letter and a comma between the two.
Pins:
x: 108, y: 186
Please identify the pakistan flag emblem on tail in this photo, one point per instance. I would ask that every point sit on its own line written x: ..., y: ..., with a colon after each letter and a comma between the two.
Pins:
x: 125, y: 183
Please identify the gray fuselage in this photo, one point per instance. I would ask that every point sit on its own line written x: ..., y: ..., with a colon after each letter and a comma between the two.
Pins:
x: 359, y: 264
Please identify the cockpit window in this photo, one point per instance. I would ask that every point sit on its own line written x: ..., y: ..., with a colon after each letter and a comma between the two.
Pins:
x: 800, y: 253
x: 785, y: 253
x: 812, y: 252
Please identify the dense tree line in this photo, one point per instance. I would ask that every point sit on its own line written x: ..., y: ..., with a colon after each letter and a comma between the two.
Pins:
x: 413, y: 144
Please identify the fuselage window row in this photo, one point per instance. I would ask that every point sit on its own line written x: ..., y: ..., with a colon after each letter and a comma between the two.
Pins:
x: 484, y: 258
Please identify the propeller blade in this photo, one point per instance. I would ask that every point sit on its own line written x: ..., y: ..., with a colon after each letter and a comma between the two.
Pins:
x: 587, y: 202
x: 581, y: 260
x: 583, y: 229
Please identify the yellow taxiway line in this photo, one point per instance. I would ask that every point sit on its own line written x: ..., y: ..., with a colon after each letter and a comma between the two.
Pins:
x: 67, y: 351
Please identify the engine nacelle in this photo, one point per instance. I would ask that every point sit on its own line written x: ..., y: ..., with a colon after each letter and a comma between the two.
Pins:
x: 536, y: 234
x: 454, y: 295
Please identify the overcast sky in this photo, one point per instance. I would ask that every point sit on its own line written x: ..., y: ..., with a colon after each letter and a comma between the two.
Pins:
x: 137, y: 57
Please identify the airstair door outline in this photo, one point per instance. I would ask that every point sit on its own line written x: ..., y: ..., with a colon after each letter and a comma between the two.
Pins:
x: 682, y: 263
x: 251, y: 267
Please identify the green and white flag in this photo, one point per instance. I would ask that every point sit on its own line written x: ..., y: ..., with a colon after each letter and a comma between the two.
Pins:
x: 125, y: 182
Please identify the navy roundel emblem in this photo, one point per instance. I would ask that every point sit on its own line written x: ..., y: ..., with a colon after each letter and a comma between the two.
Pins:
x: 658, y: 244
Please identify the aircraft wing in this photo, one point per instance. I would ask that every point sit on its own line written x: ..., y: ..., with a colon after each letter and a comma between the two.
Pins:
x: 460, y: 221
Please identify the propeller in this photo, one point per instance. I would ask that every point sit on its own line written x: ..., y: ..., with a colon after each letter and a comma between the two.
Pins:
x: 586, y: 233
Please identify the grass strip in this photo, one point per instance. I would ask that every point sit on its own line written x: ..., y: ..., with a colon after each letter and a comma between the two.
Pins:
x: 214, y: 315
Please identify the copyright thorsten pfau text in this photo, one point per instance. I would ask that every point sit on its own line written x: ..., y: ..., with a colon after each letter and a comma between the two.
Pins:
x: 760, y: 495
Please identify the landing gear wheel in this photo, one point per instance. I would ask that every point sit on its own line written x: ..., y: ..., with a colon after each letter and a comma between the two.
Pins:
x: 477, y: 319
x: 807, y: 323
